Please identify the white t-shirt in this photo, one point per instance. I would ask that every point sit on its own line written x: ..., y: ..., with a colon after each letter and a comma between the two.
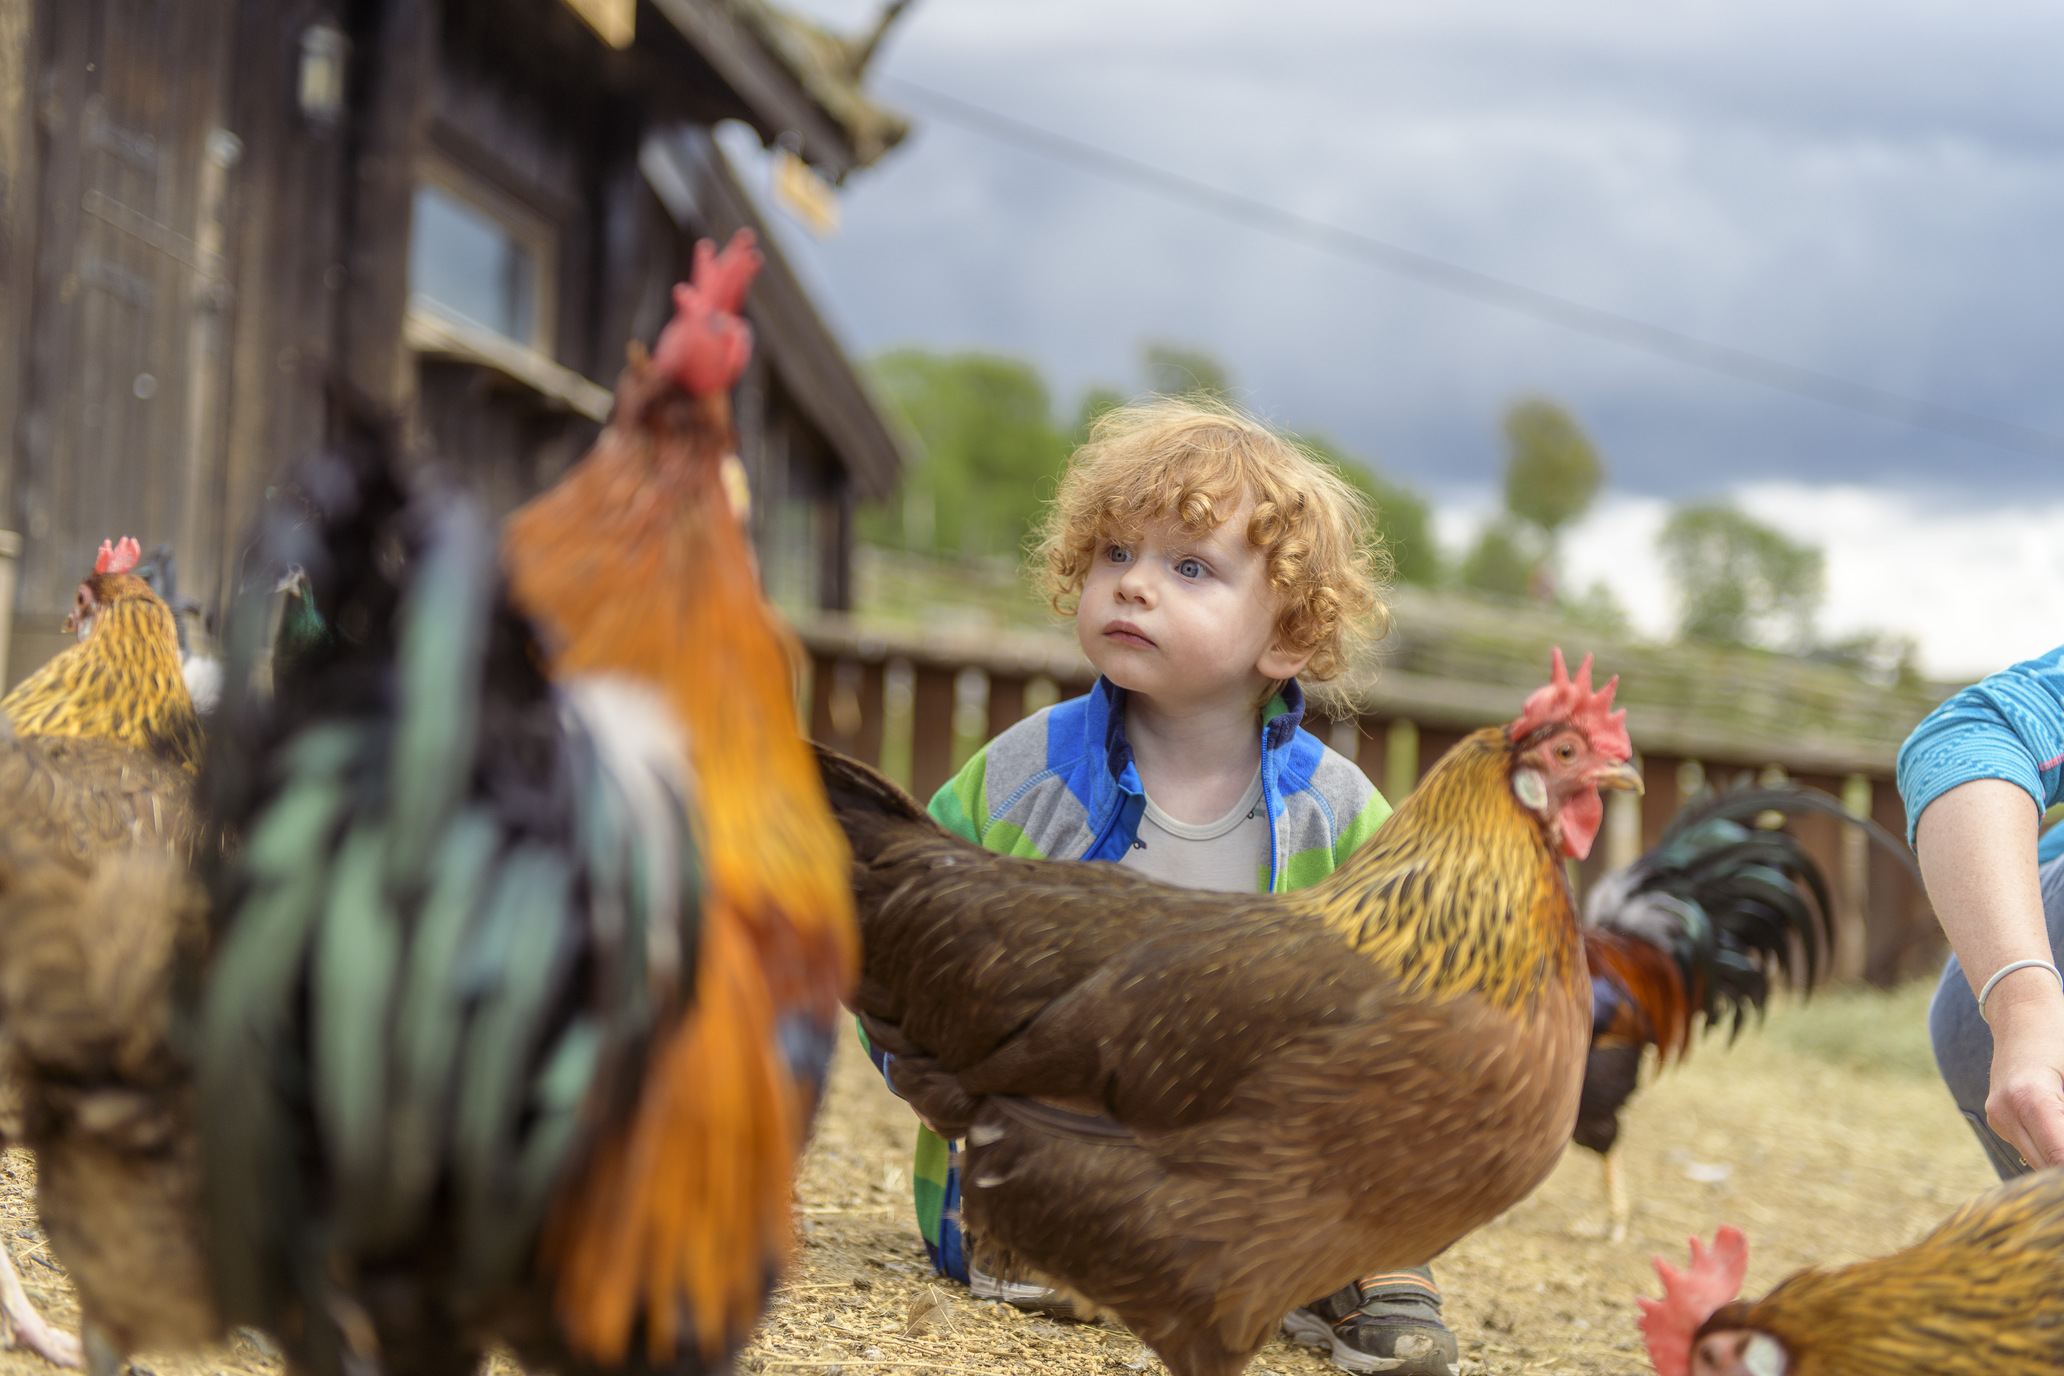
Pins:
x: 1230, y: 855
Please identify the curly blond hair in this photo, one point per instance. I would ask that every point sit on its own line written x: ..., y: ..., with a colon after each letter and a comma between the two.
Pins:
x: 1195, y: 459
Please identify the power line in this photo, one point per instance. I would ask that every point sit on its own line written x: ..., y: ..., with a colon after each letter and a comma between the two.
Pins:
x: 1480, y: 286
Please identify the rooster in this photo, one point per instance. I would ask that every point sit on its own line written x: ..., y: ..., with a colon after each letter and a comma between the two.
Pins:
x: 122, y: 681
x: 519, y: 989
x: 1200, y: 1110
x: 1696, y: 928
x: 1976, y: 1297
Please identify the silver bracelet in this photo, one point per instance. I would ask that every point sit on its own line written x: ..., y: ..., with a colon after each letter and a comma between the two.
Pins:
x: 2005, y: 970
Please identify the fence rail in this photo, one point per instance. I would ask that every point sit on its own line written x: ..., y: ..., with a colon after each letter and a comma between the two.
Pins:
x: 918, y: 705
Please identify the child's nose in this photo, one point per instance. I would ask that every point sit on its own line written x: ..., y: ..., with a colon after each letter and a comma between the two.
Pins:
x: 1136, y: 584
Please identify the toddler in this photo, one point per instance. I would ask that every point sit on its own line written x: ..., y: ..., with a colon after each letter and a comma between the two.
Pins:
x: 1207, y: 564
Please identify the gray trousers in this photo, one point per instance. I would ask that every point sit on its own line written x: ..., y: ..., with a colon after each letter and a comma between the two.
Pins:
x: 1963, y: 1043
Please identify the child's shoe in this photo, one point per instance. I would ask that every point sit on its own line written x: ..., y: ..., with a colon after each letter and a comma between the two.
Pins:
x: 1386, y: 1323
x: 1016, y: 1293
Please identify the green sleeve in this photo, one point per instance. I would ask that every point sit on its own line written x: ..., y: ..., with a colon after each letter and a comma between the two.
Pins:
x: 959, y: 800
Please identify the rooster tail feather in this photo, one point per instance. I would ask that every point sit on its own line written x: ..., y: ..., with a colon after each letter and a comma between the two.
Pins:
x: 722, y: 1106
x: 1735, y: 905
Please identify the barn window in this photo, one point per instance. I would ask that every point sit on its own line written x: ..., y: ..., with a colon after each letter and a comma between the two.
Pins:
x: 481, y: 258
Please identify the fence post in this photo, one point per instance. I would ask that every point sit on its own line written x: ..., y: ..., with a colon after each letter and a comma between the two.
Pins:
x: 1895, y: 900
x: 1400, y: 759
x: 931, y: 730
x: 1006, y: 704
x: 846, y: 706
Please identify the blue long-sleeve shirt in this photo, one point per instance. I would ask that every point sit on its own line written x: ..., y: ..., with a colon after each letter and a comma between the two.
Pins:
x: 2010, y: 726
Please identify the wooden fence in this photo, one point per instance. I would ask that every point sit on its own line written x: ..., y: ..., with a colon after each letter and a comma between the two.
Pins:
x: 919, y: 705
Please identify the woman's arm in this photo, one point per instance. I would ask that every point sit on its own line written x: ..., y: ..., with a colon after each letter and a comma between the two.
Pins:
x: 1977, y: 850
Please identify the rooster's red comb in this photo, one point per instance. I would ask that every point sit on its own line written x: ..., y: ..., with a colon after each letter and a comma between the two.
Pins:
x: 722, y: 278
x: 1690, y: 1297
x: 1565, y: 699
x: 706, y: 345
x: 118, y: 557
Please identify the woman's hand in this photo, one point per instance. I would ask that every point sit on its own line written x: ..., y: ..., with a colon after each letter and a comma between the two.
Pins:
x: 1977, y: 850
x: 2026, y: 1103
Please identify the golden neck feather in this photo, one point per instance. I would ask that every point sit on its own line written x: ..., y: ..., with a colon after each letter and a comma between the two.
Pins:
x: 122, y: 683
x: 1459, y: 891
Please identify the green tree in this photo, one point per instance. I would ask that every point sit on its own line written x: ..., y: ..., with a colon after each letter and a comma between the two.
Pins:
x: 1175, y: 371
x: 1738, y: 580
x: 1504, y: 559
x: 988, y: 452
x: 1402, y: 517
x: 1552, y: 471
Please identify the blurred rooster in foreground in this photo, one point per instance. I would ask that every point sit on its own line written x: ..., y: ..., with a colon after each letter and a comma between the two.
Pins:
x: 521, y: 982
x: 1200, y: 1110
x: 1976, y: 1297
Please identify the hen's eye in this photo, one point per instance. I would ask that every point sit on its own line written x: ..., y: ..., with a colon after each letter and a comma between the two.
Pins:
x: 1565, y: 752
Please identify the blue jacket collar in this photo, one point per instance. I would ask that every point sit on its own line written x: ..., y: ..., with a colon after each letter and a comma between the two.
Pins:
x: 1117, y: 798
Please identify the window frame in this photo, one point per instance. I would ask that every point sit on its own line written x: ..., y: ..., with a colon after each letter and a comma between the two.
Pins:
x: 536, y: 233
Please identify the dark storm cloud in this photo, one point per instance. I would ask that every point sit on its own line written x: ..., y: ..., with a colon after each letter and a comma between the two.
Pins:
x: 1871, y: 191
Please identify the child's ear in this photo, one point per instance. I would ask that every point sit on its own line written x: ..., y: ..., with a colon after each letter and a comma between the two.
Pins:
x: 1279, y: 663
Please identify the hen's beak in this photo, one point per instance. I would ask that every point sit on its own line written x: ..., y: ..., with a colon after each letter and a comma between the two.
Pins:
x: 1622, y: 775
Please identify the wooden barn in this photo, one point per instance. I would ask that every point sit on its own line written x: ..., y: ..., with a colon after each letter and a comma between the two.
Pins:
x: 211, y: 211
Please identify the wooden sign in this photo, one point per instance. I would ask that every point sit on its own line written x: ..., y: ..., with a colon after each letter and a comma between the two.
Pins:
x: 615, y: 20
x: 805, y: 195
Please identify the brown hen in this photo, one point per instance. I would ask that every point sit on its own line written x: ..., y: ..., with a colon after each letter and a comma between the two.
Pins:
x: 1199, y: 1110
x: 122, y: 681
x: 107, y: 775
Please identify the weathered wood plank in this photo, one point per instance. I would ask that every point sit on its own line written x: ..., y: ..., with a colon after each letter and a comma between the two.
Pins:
x: 399, y: 66
x: 18, y: 178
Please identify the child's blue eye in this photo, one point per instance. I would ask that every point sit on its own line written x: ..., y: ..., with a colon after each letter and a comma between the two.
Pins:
x: 1190, y: 568
x: 1118, y: 554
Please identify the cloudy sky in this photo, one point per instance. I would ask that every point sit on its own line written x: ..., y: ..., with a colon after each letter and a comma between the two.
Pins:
x: 1873, y: 191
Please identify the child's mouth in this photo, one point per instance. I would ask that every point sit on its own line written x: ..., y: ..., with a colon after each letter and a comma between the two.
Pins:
x: 1125, y: 633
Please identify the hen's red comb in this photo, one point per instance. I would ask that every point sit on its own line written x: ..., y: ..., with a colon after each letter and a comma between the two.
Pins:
x: 1690, y: 1297
x: 705, y: 346
x: 119, y: 557
x: 1564, y: 699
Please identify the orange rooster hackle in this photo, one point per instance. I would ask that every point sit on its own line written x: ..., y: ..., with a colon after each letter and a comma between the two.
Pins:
x: 1654, y: 987
x: 636, y: 564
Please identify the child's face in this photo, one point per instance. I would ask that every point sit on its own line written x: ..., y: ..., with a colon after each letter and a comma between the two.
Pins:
x: 1184, y: 620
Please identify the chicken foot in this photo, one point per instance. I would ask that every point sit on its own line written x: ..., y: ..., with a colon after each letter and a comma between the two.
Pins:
x: 1619, y: 1208
x: 29, y: 1327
